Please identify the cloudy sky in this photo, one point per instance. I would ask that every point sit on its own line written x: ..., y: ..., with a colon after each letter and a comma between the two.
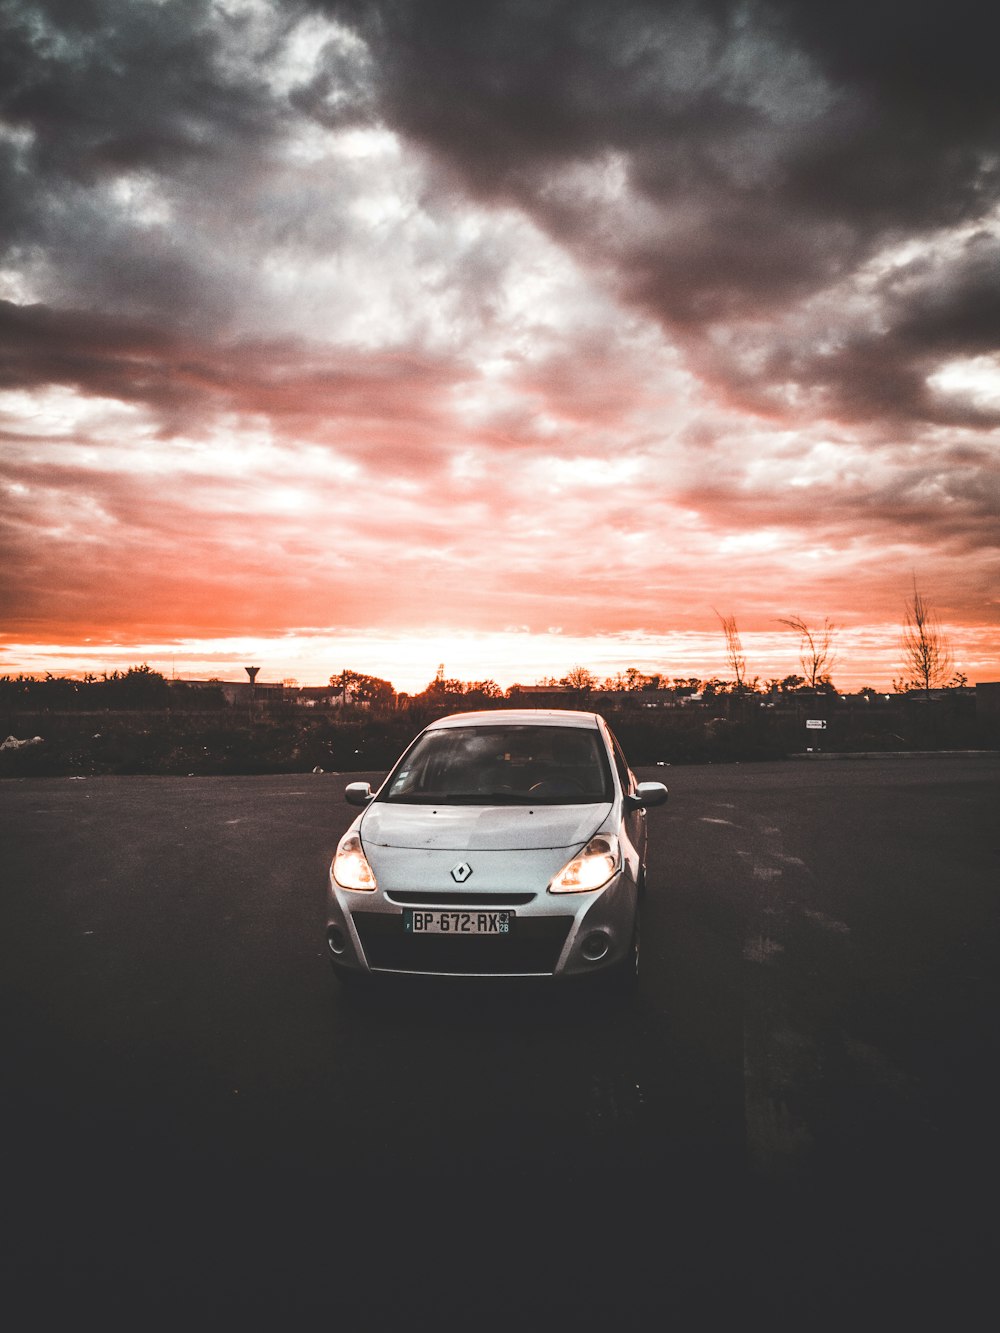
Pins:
x: 505, y: 334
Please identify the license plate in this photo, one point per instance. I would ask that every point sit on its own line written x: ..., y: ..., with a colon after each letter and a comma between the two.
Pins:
x: 437, y: 921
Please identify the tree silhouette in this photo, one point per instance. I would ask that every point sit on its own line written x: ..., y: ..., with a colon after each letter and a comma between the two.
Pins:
x: 359, y: 688
x: 579, y: 678
x: 927, y: 656
x: 734, y: 650
x: 816, y: 653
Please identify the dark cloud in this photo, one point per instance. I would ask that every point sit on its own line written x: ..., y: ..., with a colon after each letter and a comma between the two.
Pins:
x: 935, y: 58
x: 777, y: 145
x: 107, y: 84
x: 91, y: 91
x: 184, y: 381
x: 882, y: 113
x: 766, y: 151
x: 951, y: 306
x: 933, y: 310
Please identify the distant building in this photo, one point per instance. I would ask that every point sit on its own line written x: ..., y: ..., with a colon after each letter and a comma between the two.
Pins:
x: 988, y: 700
x: 543, y: 696
x: 238, y: 691
x: 630, y: 699
x: 314, y: 696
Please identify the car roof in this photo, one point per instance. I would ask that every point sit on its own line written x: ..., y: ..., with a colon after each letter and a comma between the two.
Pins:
x: 521, y: 717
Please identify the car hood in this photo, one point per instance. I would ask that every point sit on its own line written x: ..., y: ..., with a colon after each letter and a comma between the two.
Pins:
x: 481, y: 828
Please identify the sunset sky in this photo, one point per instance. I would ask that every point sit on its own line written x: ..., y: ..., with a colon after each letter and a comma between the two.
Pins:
x: 507, y: 335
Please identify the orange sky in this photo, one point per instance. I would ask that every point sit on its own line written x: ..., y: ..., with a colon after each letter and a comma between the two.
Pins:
x: 293, y: 365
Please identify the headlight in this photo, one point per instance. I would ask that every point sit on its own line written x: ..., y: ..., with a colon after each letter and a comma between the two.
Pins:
x: 593, y: 867
x: 350, y: 866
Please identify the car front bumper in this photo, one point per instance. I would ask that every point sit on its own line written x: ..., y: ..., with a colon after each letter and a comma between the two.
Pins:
x: 551, y: 935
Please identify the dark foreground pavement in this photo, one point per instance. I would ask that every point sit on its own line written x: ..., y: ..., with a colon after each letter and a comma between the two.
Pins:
x: 794, y: 1124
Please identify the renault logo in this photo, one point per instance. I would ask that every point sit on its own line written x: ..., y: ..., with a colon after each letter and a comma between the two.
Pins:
x: 461, y: 872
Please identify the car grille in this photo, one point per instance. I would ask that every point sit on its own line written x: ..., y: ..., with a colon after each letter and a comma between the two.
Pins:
x: 414, y: 898
x: 533, y: 946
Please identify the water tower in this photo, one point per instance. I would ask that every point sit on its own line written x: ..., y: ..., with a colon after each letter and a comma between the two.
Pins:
x: 252, y: 673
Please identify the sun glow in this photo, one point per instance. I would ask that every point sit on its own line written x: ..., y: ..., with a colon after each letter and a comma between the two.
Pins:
x: 866, y: 655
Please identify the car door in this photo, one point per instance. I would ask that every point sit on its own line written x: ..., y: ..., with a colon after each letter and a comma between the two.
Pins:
x: 633, y: 820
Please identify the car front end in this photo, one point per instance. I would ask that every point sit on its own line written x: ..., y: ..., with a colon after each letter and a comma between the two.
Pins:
x: 519, y: 881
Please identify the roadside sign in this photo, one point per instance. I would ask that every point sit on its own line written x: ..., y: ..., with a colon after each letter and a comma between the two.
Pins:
x: 815, y: 724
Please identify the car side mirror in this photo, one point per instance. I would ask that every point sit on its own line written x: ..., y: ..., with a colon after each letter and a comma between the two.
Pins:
x: 358, y: 793
x: 647, y: 794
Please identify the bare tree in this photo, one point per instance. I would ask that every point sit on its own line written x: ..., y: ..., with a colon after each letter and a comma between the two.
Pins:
x: 816, y: 653
x: 734, y: 649
x: 927, y: 656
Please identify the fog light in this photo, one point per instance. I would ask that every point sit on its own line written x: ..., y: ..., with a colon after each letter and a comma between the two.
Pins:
x: 595, y: 946
x: 336, y: 941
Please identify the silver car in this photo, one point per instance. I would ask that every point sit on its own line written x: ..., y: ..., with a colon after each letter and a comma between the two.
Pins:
x: 503, y: 843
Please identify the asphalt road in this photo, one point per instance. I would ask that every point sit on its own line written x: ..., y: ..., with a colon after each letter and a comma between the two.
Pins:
x: 794, y: 1123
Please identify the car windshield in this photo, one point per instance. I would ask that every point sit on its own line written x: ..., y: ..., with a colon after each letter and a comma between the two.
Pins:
x: 503, y: 765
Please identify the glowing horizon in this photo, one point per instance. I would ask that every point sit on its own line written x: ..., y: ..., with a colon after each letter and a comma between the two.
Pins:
x: 868, y: 656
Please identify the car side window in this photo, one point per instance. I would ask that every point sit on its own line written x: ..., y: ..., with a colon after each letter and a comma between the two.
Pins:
x: 621, y: 763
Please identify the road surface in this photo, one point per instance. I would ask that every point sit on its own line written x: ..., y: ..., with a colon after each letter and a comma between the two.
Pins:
x: 794, y: 1122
